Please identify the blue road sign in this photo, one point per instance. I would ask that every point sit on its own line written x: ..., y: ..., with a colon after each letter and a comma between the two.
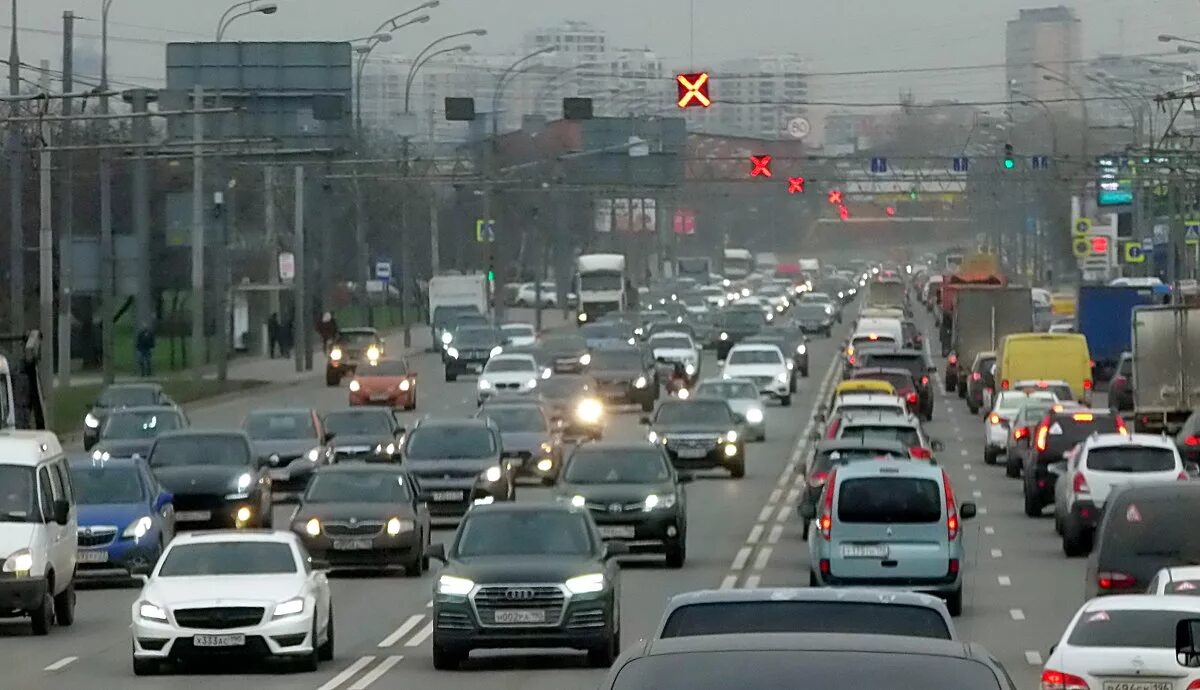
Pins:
x: 878, y: 165
x: 383, y: 269
x: 961, y: 164
x: 1030, y: 225
x: 1041, y: 162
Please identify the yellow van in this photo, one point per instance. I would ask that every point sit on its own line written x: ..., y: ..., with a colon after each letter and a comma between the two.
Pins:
x: 1046, y: 356
x: 863, y: 386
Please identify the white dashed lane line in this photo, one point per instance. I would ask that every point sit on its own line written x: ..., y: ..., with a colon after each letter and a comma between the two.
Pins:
x: 418, y: 639
x: 729, y: 582
x: 989, y: 530
x: 765, y: 513
x: 1033, y: 657
x: 753, y: 581
x: 755, y: 534
x: 776, y: 532
x: 403, y: 630
x: 61, y: 663
x: 764, y: 555
x: 376, y: 673
x: 1017, y: 614
x: 351, y: 671
x: 739, y: 561
x: 997, y: 553
x: 1004, y: 580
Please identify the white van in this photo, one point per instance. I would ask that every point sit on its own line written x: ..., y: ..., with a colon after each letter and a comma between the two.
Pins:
x: 38, y: 523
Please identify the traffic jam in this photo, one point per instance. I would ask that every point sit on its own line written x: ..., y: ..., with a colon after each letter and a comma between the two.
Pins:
x: 546, y: 474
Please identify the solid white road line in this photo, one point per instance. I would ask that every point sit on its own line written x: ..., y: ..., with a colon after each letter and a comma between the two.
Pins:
x: 793, y: 495
x: 420, y: 637
x: 61, y: 663
x: 739, y: 560
x: 351, y: 671
x: 403, y: 630
x: 376, y: 673
x: 1033, y: 657
x: 775, y: 496
x: 764, y: 555
x: 752, y: 582
x: 784, y: 512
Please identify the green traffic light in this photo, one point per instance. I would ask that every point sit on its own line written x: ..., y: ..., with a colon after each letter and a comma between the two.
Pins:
x: 492, y: 276
x: 1009, y: 164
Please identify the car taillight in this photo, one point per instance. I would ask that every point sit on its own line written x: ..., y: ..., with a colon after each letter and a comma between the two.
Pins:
x: 818, y: 479
x: 924, y: 380
x: 1183, y: 476
x: 1042, y: 432
x: 1194, y: 685
x: 850, y: 359
x: 1020, y: 433
x: 1192, y: 441
x: 975, y: 375
x: 825, y: 522
x: 1004, y: 384
x: 951, y: 508
x: 953, y: 359
x: 1057, y: 680
x: 1087, y: 384
x: 920, y: 453
x: 1121, y: 428
x: 911, y: 398
x: 1110, y: 581
x: 1079, y: 484
x: 953, y: 568
x: 833, y: 428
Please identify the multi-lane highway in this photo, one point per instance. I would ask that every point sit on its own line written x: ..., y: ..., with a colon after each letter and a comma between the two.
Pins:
x: 1020, y: 590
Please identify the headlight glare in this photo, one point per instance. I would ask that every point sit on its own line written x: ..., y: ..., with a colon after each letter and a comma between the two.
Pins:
x: 447, y: 338
x: 493, y: 474
x: 484, y: 384
x: 395, y: 526
x: 754, y: 415
x: 91, y: 421
x: 138, y: 528
x: 578, y: 501
x: 19, y: 562
x: 452, y: 352
x: 355, y: 385
x: 532, y: 383
x: 454, y: 586
x: 313, y: 527
x: 586, y: 584
x: 731, y: 436
x: 801, y: 349
x: 151, y: 612
x: 336, y: 354
x: 689, y: 369
x: 290, y: 607
x: 589, y: 410
x: 586, y: 359
x: 640, y: 382
x: 496, y: 350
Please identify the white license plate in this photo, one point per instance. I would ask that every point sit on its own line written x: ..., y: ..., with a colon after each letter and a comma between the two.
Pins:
x: 351, y: 544
x: 692, y: 453
x: 617, y: 531
x: 99, y: 556
x: 193, y: 516
x: 447, y: 496
x: 864, y: 551
x: 219, y: 640
x: 1139, y: 685
x: 521, y: 616
x: 379, y: 397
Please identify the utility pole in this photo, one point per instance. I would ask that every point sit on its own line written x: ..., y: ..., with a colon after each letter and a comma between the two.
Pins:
x: 272, y: 232
x: 223, y: 212
x: 16, y: 181
x: 46, y: 256
x: 108, y: 306
x: 67, y: 217
x: 299, y: 301
x: 141, y: 207
x: 197, y: 303
x: 362, y: 255
x: 435, y: 258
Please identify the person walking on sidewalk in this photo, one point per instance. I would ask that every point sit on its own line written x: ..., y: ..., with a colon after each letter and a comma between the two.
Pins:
x: 328, y: 330
x: 273, y: 340
x: 285, y: 337
x: 144, y: 345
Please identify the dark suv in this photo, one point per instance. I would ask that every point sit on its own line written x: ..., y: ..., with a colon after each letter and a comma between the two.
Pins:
x: 1120, y: 388
x: 458, y: 463
x: 1058, y: 433
x: 914, y: 361
x: 980, y: 379
x: 473, y: 346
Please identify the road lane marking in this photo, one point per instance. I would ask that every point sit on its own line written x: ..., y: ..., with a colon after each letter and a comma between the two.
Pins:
x: 1017, y: 614
x: 966, y: 465
x: 765, y: 513
x: 977, y: 493
x: 729, y: 582
x: 972, y: 478
x: 997, y: 553
x: 755, y: 534
x: 1004, y: 580
x: 351, y: 671
x: 981, y: 510
x: 784, y: 512
x: 61, y: 663
x: 403, y: 630
x: 775, y: 496
x: 739, y: 560
x: 793, y: 495
x: 776, y: 533
x: 752, y: 582
x: 1033, y: 658
x: 376, y: 673
x: 764, y: 555
x: 988, y: 529
x: 420, y: 637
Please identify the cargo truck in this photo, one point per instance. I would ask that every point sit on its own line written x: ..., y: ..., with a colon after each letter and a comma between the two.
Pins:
x: 1103, y: 315
x: 1166, y: 366
x: 453, y: 295
x: 977, y: 269
x: 601, y: 285
x: 737, y: 263
x: 983, y: 315
x: 698, y: 268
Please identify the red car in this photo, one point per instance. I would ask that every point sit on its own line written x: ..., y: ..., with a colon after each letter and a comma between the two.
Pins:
x: 386, y: 382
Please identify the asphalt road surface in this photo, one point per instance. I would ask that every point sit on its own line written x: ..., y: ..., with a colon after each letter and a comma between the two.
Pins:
x: 1020, y: 589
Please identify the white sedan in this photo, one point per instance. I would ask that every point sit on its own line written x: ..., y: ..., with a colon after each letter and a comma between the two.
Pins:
x: 508, y: 375
x: 996, y: 423
x: 743, y: 399
x: 251, y: 592
x: 518, y: 334
x: 765, y: 365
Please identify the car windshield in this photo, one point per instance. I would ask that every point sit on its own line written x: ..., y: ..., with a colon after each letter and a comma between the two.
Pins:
x: 475, y: 336
x: 100, y: 485
x: 728, y: 390
x: 458, y: 442
x: 811, y: 310
x: 518, y: 331
x: 357, y: 487
x: 1142, y: 628
x: 602, y: 331
x: 500, y: 365
x: 701, y: 413
x: 18, y: 501
x: 443, y: 316
x: 228, y: 558
x: 359, y: 423
x: 469, y: 321
x: 1130, y: 459
x: 128, y: 396
x: 790, y: 616
x: 565, y: 345
x: 1031, y: 412
x: 670, y: 342
x: 617, y: 467
x: 744, y: 318
x: 881, y: 432
x: 901, y: 500
x: 824, y: 670
x: 516, y: 418
x: 860, y: 408
x: 915, y: 364
x: 139, y: 425
x: 208, y: 449
x: 524, y: 533
x: 385, y: 367
x: 617, y: 359
x: 740, y: 356
x: 280, y: 426
x: 357, y: 339
x: 561, y: 387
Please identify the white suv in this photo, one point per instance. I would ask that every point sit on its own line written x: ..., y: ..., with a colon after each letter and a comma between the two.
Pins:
x: 765, y: 365
x: 1098, y: 465
x: 38, y: 523
x: 508, y: 375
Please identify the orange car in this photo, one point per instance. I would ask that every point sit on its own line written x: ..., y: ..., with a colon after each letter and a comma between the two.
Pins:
x: 386, y: 382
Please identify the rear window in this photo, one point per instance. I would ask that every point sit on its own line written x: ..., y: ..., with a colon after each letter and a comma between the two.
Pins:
x: 843, y: 617
x: 984, y: 365
x: 1160, y: 530
x: 898, y: 380
x: 913, y: 363
x: 1125, y: 368
x: 1131, y: 628
x: 902, y: 434
x: 1068, y: 429
x: 891, y: 500
x: 1130, y: 459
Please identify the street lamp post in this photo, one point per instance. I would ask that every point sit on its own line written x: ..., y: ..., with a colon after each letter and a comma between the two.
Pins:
x: 228, y: 17
x: 1065, y: 80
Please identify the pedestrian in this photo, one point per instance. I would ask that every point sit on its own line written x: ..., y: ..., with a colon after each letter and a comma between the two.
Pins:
x: 328, y: 330
x: 273, y: 335
x: 144, y: 345
x: 285, y: 337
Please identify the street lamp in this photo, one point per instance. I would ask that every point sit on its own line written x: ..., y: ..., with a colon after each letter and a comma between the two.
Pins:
x: 412, y: 75
x: 1168, y: 38
x: 542, y: 92
x: 228, y: 17
x: 1065, y: 80
x: 418, y: 60
x: 503, y: 81
x: 382, y: 35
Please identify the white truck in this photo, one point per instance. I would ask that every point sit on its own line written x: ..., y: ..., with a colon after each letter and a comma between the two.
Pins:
x: 452, y: 295
x: 600, y: 285
x: 1166, y: 366
x: 737, y: 263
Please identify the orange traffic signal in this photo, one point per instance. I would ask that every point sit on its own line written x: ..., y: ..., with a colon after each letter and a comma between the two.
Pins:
x: 693, y: 90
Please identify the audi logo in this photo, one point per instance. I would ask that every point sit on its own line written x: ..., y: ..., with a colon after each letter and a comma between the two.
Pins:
x: 519, y: 594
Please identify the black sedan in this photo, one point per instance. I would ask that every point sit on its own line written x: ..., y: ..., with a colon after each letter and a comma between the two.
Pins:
x: 527, y: 576
x: 215, y: 478
x: 458, y: 463
x: 364, y: 433
x: 699, y: 433
x: 115, y: 397
x: 531, y: 442
x: 364, y: 516
x: 625, y: 375
x: 129, y: 432
x: 473, y: 346
x: 565, y: 354
x: 292, y: 443
x: 814, y: 317
x: 736, y: 323
x: 573, y: 402
x: 352, y: 347
x: 633, y: 493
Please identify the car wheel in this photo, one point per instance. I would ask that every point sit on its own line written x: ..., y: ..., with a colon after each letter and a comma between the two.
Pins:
x: 325, y: 651
x: 446, y: 659
x: 738, y: 469
x: 786, y: 401
x: 332, y: 379
x: 604, y: 655
x: 42, y: 617
x: 1012, y: 466
x: 928, y: 415
x: 954, y: 602
x: 1033, y: 505
x: 677, y: 551
x: 989, y: 456
x: 1076, y: 541
x: 412, y: 567
x: 145, y: 667
x: 64, y: 606
x: 309, y: 662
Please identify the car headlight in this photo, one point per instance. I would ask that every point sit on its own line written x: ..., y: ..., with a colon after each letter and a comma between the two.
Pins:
x: 244, y: 481
x: 396, y: 526
x: 632, y: 341
x: 731, y: 436
x: 586, y: 584
x: 454, y: 586
x: 493, y: 474
x: 586, y: 359
x: 452, y: 352
x: 545, y: 465
x: 138, y: 528
x: 578, y: 501
x: 638, y: 331
x: 828, y: 309
x: 313, y: 527
x: 447, y: 338
x: 484, y: 385
x: 781, y: 378
x: 496, y: 350
x: 532, y: 383
x: 770, y: 317
x: 689, y: 369
x: 405, y: 385
x: 313, y: 455
x: 19, y: 562
x: 91, y: 421
x: 754, y: 415
x: 640, y: 382
x: 336, y: 354
x: 653, y: 437
x: 658, y: 502
x: 151, y: 612
x: 390, y: 448
x: 373, y: 353
x: 583, y: 317
x: 100, y: 455
x: 589, y: 411
x: 841, y: 295
x: 791, y: 365
x: 802, y: 349
x: 547, y: 373
x: 355, y: 386
x: 724, y: 335
x: 547, y: 447
x: 291, y: 607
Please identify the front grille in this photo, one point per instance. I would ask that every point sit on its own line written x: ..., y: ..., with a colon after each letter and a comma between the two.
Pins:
x: 91, y: 537
x: 185, y: 502
x: 358, y: 529
x: 453, y: 620
x: 547, y: 598
x: 616, y: 507
x: 507, y: 386
x: 219, y: 618
x: 586, y: 619
x: 474, y: 354
x: 763, y: 381
x: 447, y: 474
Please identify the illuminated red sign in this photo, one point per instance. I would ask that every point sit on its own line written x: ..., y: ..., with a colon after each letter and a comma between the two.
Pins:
x: 1099, y: 245
x: 891, y: 210
x: 835, y: 197
x: 693, y: 90
x: 843, y: 212
x: 795, y: 185
x: 760, y: 166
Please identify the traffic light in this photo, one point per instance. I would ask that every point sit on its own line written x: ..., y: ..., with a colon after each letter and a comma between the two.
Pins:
x: 693, y: 90
x: 1009, y: 161
x: 491, y: 276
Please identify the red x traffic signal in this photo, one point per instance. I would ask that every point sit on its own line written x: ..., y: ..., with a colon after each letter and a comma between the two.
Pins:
x: 795, y: 185
x: 760, y: 166
x: 693, y: 90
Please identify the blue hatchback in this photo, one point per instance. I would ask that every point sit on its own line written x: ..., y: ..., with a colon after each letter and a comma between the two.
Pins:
x: 125, y: 517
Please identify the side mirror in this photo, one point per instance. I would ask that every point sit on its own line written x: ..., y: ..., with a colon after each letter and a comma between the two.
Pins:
x: 1187, y: 631
x: 329, y: 436
x: 686, y: 478
x: 437, y: 552
x: 966, y: 511
x: 615, y: 548
x: 1057, y: 468
x: 808, y: 511
x: 162, y: 501
x: 61, y: 512
x: 643, y: 420
x: 318, y: 564
x: 937, y: 446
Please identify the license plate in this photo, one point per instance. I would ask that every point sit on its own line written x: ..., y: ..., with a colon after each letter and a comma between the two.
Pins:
x: 379, y: 397
x: 617, y: 531
x: 443, y: 496
x: 521, y: 616
x: 1139, y: 685
x: 193, y: 515
x: 692, y: 453
x: 864, y: 551
x: 219, y: 640
x: 92, y: 556
x: 351, y: 544
x: 280, y: 475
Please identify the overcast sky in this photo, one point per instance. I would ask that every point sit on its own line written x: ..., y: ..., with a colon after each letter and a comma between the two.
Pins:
x: 834, y: 35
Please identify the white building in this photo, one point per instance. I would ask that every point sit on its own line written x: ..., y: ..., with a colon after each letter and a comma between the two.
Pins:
x: 1050, y: 36
x: 754, y: 97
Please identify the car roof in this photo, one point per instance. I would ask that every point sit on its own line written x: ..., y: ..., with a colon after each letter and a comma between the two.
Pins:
x: 614, y: 446
x: 900, y: 351
x: 814, y: 642
x: 756, y: 347
x: 453, y: 422
x: 258, y: 535
x: 1136, y: 602
x: 142, y: 409
x: 360, y: 330
x: 281, y: 410
x: 927, y: 470
x: 1130, y: 441
x: 133, y: 386
x: 849, y: 594
x: 24, y: 447
x: 868, y: 398
x: 878, y: 418
x: 880, y: 370
x: 523, y: 356
x: 832, y: 445
x: 530, y: 507
x: 196, y: 433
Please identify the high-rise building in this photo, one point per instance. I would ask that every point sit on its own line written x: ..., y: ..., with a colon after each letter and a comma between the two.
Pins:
x: 754, y: 97
x: 1050, y: 36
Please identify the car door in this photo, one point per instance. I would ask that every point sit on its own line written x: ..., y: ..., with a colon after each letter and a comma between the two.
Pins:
x: 61, y: 539
x: 318, y: 585
x: 164, y: 505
